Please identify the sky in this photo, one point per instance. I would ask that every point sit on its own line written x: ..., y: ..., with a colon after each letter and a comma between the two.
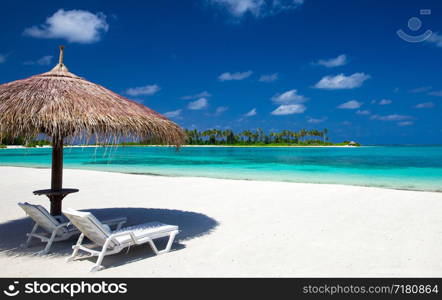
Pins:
x: 247, y: 64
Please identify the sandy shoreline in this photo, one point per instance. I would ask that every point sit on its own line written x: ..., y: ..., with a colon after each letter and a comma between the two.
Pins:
x: 235, y: 227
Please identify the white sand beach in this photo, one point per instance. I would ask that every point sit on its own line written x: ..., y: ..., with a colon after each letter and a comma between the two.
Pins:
x: 234, y: 227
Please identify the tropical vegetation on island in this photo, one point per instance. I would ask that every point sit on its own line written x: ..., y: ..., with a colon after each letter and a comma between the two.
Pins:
x: 20, y: 141
x: 258, y: 137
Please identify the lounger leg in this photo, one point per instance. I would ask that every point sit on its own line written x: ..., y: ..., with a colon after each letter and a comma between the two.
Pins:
x: 120, y: 224
x: 76, y: 248
x: 49, y: 244
x: 154, y: 248
x: 168, y: 246
x: 170, y: 241
x: 98, y: 266
x: 34, y: 229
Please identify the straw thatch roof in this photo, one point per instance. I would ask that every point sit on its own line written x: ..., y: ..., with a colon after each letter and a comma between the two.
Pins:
x: 61, y: 104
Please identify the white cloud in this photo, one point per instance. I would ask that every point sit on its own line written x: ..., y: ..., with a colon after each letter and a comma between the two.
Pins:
x: 75, y: 26
x: 289, y: 109
x: 251, y: 113
x: 341, y: 81
x: 289, y: 97
x: 405, y: 123
x: 2, y: 58
x: 148, y: 90
x: 221, y: 109
x: 198, y: 104
x: 421, y: 89
x: 269, y: 77
x: 363, y: 112
x: 436, y: 93
x: 393, y: 117
x: 204, y: 94
x: 44, y: 61
x: 435, y: 39
x: 316, y: 121
x: 256, y: 8
x: 290, y: 103
x: 352, y: 104
x: 425, y: 105
x: 227, y: 76
x: 341, y: 60
x: 173, y: 113
x: 385, y: 102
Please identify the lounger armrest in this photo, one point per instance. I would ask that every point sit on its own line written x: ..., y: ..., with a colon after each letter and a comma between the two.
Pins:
x: 116, y: 221
x: 62, y: 225
x: 66, y: 224
x: 61, y: 219
x: 129, y: 233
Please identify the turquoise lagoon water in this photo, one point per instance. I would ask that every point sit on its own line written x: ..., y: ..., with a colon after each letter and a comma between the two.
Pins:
x: 401, y: 167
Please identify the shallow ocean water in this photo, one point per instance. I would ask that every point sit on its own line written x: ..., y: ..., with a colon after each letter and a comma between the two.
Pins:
x: 401, y: 167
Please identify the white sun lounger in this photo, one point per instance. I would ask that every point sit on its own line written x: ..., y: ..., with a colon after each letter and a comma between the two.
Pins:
x: 55, y: 228
x: 112, y: 242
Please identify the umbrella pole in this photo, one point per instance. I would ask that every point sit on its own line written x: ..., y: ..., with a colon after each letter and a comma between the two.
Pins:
x: 57, y: 175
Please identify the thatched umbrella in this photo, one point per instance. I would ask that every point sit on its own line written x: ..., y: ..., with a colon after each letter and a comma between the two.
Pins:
x: 66, y: 107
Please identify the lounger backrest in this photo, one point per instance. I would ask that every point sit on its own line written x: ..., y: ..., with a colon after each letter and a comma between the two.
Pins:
x: 41, y: 216
x: 89, y: 225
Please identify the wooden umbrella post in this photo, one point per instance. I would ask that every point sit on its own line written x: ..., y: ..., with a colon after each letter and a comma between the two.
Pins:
x: 61, y: 58
x: 57, y: 175
x: 57, y: 164
x: 56, y: 194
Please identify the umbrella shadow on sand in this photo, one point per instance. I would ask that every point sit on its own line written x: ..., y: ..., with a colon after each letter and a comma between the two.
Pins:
x: 191, y: 225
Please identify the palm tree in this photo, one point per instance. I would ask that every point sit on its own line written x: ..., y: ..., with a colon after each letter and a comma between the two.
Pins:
x: 247, y: 134
x: 254, y: 136
x: 295, y: 136
x: 272, y: 136
x: 218, y: 135
x: 302, y: 133
x: 285, y: 135
x: 261, y: 135
x: 211, y: 133
x: 230, y: 136
x: 313, y: 132
x: 196, y: 136
x: 278, y: 137
x: 324, y: 134
x: 275, y: 137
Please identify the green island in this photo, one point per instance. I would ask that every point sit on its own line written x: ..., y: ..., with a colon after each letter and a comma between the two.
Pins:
x: 216, y: 137
x: 258, y: 137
